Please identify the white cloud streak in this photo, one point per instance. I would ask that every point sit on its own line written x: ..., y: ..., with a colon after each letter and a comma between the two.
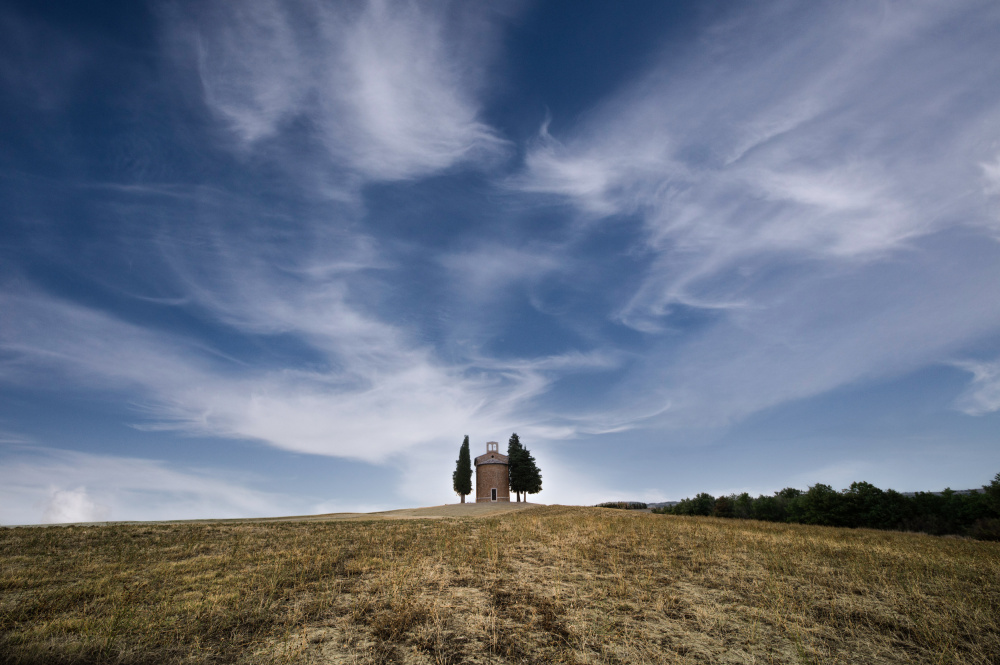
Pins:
x: 46, y: 485
x: 390, y: 87
x: 829, y: 330
x: 379, y: 395
x: 983, y: 394
x: 489, y: 271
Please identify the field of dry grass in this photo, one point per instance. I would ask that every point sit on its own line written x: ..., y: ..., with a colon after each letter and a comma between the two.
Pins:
x: 547, y: 584
x: 431, y: 512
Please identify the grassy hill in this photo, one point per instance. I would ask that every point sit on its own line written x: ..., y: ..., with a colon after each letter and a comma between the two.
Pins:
x: 543, y: 584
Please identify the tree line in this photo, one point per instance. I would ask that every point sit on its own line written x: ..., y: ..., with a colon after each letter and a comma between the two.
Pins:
x: 975, y: 514
x: 525, y: 476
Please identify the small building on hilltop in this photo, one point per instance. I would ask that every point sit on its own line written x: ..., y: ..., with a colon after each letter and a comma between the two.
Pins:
x: 492, y: 475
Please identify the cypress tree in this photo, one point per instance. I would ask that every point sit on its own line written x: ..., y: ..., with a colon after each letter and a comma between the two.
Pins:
x: 461, y: 479
x: 533, y: 476
x: 519, y: 471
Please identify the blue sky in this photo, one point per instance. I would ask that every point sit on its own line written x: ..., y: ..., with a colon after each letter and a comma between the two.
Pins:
x: 271, y: 258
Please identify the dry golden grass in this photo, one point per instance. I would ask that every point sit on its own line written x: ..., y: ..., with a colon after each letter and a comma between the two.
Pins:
x: 470, y: 509
x: 572, y: 585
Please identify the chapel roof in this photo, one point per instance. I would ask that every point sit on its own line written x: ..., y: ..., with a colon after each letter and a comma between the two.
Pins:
x: 492, y: 458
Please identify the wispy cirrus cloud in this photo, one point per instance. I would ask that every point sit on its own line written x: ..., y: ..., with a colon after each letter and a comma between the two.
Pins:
x: 832, y: 329
x: 991, y: 171
x: 374, y: 393
x: 825, y: 144
x: 797, y: 179
x: 48, y: 485
x: 983, y: 394
x: 490, y: 269
x: 390, y: 88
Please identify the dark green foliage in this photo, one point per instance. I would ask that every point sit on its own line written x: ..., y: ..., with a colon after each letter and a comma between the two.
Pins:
x: 723, y: 507
x: 975, y: 514
x: 986, y: 529
x: 866, y: 505
x: 992, y: 492
x: 742, y: 506
x: 525, y: 476
x: 534, y: 483
x: 702, y: 504
x: 516, y: 465
x: 769, y: 509
x: 461, y: 479
x: 819, y: 505
x: 623, y: 505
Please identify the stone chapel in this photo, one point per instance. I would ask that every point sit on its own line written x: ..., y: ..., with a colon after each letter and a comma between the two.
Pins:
x: 492, y: 475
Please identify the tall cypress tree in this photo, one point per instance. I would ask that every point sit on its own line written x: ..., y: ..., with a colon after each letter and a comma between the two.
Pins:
x: 461, y: 479
x: 525, y: 477
x: 519, y: 472
x: 533, y: 482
